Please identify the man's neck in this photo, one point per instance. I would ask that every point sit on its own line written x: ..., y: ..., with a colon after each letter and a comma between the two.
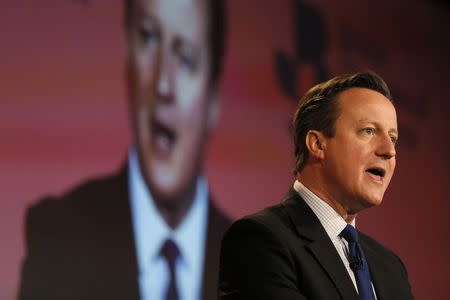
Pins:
x: 316, y: 185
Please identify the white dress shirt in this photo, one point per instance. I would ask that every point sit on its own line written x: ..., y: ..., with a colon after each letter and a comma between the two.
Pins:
x: 333, y: 224
x: 151, y: 231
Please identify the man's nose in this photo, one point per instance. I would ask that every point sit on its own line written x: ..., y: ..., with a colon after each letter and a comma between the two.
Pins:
x: 164, y: 84
x: 386, y: 148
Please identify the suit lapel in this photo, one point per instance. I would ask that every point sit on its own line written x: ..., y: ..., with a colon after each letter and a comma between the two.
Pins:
x: 121, y: 253
x: 217, y: 224
x: 378, y: 273
x: 318, y: 243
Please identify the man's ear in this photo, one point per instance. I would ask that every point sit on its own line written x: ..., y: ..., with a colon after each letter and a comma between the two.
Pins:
x: 316, y: 144
x: 213, y: 111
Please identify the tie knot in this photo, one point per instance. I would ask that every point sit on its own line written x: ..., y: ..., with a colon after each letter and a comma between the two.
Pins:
x: 350, y: 234
x: 170, y: 251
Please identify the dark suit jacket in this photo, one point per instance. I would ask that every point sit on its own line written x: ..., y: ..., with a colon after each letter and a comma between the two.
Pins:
x: 82, y: 247
x: 283, y: 252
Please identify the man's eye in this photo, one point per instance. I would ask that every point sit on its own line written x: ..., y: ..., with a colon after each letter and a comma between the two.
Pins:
x: 369, y: 130
x: 394, y: 139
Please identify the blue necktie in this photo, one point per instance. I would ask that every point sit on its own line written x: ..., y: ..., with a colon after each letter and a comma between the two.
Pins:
x: 358, y: 263
x: 170, y: 252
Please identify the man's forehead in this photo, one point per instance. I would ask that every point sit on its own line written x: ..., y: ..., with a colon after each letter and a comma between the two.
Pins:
x: 366, y: 105
x: 359, y: 96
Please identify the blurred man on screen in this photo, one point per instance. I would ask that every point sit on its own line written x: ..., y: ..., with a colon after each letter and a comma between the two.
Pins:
x: 151, y: 231
x: 307, y: 247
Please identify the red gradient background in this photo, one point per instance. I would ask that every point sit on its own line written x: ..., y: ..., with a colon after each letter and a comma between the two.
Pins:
x: 63, y: 113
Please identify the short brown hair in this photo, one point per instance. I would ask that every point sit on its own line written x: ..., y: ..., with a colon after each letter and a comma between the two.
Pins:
x: 318, y: 109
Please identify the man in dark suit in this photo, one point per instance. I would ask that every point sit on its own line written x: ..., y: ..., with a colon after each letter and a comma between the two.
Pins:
x: 150, y: 231
x: 307, y: 246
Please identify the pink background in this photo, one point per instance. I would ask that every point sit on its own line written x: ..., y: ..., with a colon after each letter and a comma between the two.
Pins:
x: 63, y: 114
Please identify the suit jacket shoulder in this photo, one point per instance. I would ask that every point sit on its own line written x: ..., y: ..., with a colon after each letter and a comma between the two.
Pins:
x: 283, y: 252
x: 79, y: 245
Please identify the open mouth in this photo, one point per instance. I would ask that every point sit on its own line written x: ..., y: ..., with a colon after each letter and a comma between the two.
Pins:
x: 164, y: 137
x: 376, y: 173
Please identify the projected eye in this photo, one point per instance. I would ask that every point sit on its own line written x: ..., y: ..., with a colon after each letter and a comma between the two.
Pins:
x: 149, y: 35
x: 186, y: 61
x: 187, y: 57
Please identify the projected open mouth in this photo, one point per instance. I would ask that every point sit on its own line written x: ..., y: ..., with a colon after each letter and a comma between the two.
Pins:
x: 164, y: 137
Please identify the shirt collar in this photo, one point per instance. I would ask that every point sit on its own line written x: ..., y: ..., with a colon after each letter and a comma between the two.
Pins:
x: 328, y: 217
x: 151, y: 230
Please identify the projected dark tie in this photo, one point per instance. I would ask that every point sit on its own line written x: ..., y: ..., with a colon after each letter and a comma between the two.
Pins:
x: 170, y: 252
x: 358, y: 263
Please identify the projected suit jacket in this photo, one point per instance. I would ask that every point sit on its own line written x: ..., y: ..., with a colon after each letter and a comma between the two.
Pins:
x: 81, y: 246
x: 283, y: 252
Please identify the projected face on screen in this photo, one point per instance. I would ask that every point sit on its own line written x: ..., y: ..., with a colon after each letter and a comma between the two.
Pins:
x: 172, y: 102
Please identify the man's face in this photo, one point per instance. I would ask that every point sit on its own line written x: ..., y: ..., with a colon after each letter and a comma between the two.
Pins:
x: 172, y: 104
x: 360, y: 158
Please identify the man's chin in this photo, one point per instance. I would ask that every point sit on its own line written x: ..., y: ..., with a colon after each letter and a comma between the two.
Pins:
x: 363, y: 203
x: 372, y: 201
